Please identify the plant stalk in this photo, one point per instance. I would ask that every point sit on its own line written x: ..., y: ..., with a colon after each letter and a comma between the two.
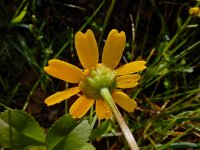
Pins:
x: 105, y: 23
x: 125, y: 129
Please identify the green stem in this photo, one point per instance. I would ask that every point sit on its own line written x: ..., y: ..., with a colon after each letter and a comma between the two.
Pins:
x: 126, y: 131
x: 108, y: 14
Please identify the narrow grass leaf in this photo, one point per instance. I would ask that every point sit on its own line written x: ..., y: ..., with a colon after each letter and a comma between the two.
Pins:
x: 102, y: 129
x: 19, y: 18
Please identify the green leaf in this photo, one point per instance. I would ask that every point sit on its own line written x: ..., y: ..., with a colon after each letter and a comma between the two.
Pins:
x: 179, y: 23
x: 36, y: 148
x: 19, y: 18
x: 28, y: 53
x: 67, y: 134
x: 88, y: 146
x: 17, y: 126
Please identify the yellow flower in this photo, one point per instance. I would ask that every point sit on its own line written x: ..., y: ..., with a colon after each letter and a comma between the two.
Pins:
x: 96, y: 75
x: 195, y: 11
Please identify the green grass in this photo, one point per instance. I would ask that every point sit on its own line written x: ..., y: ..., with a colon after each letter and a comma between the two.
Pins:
x: 168, y: 113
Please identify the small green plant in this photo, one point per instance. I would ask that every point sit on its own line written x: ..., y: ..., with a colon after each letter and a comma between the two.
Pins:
x: 165, y: 34
x: 19, y: 130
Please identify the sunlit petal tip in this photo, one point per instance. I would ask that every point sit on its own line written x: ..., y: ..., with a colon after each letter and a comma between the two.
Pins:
x: 89, y: 31
x: 81, y: 106
x: 103, y: 111
x: 113, y: 49
x: 46, y: 69
x: 130, y: 68
x: 87, y: 49
x: 122, y: 35
x: 64, y: 71
x: 142, y: 62
x: 124, y: 101
x: 60, y: 96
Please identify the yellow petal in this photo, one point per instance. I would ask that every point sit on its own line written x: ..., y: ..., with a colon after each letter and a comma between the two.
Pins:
x: 60, y: 96
x: 124, y: 101
x: 132, y: 67
x: 87, y: 50
x: 113, y: 48
x: 128, y: 81
x: 103, y: 110
x: 64, y: 71
x: 81, y: 106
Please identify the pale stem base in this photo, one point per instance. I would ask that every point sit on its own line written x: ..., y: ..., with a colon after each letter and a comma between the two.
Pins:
x: 126, y: 131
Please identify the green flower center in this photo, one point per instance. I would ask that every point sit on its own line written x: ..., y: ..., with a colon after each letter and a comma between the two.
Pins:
x: 98, y: 78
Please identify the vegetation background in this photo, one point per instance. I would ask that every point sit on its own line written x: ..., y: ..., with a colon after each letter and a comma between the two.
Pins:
x: 162, y: 32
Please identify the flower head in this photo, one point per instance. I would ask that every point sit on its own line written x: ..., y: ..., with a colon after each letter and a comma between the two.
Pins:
x: 96, y: 76
x: 195, y: 11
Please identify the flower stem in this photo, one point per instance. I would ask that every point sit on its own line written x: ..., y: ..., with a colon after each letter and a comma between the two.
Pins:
x: 126, y: 131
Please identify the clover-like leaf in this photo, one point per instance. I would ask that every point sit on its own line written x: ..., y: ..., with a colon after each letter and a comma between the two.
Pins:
x: 67, y: 134
x: 19, y: 130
